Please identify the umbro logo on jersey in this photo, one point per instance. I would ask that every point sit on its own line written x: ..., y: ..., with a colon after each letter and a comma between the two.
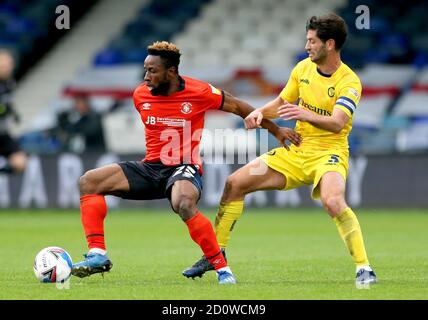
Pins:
x: 215, y: 90
x: 146, y: 106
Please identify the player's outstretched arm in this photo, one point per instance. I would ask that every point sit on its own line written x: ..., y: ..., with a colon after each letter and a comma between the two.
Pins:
x: 334, y: 123
x: 268, y: 111
x: 243, y: 109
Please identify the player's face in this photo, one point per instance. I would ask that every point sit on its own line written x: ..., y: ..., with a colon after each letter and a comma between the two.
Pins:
x: 156, y: 76
x: 315, y: 47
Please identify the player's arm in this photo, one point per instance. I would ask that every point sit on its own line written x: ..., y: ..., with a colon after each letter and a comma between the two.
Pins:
x: 243, y: 109
x: 268, y: 111
x: 334, y: 123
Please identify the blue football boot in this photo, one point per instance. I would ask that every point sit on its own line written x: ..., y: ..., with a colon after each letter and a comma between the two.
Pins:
x: 93, y: 263
x: 200, y: 267
x: 225, y: 277
x: 365, y: 278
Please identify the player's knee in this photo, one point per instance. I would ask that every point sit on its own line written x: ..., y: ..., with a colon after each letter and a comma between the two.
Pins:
x: 185, y: 207
x: 87, y: 183
x: 18, y: 162
x: 333, y: 204
x: 233, y: 187
x: 19, y: 165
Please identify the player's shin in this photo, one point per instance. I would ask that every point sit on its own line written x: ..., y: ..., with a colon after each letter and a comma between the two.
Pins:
x: 93, y: 211
x: 227, y: 215
x: 202, y: 232
x: 350, y: 231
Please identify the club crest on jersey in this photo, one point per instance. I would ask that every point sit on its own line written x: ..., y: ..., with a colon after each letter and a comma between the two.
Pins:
x: 331, y: 92
x: 146, y: 106
x: 186, y: 107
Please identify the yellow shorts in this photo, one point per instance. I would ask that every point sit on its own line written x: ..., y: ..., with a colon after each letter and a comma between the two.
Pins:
x: 305, y: 168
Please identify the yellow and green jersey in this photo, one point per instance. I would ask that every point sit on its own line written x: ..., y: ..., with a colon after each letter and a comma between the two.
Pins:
x: 322, y: 93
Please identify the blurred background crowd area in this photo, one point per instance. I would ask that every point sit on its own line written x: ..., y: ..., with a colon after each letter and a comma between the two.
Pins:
x: 74, y: 86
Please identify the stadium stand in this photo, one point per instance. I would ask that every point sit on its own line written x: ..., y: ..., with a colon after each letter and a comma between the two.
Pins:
x: 249, y: 47
x: 374, y: 129
x: 412, y: 106
x: 27, y: 28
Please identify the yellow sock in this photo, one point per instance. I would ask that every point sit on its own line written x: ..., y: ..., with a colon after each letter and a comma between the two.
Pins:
x: 350, y: 231
x: 227, y: 215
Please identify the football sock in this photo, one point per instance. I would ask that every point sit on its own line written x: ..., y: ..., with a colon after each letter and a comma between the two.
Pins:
x: 93, y: 210
x: 227, y: 269
x: 350, y: 231
x: 98, y: 250
x: 227, y: 215
x: 202, y: 232
x: 366, y: 267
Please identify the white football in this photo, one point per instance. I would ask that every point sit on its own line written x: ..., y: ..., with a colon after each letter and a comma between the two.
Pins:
x: 52, y: 264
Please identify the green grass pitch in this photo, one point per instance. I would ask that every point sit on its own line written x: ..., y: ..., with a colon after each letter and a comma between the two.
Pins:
x: 275, y: 254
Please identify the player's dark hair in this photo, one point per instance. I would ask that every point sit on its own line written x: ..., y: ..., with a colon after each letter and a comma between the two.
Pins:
x: 169, y: 53
x: 329, y: 26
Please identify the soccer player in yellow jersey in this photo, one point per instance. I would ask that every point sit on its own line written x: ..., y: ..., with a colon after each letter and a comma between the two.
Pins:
x: 322, y: 95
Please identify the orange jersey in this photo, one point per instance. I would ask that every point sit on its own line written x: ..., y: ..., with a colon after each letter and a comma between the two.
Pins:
x: 174, y: 124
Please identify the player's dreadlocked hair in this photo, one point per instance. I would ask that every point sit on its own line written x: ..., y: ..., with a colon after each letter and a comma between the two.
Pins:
x: 168, y: 51
x: 329, y: 26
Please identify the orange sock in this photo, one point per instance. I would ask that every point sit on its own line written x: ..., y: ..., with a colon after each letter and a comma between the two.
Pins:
x: 93, y: 211
x: 202, y: 232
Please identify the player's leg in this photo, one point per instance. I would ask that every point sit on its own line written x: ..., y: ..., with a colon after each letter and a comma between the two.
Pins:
x: 12, y: 159
x: 332, y: 191
x: 94, y: 185
x: 254, y: 176
x: 184, y: 197
x: 18, y: 161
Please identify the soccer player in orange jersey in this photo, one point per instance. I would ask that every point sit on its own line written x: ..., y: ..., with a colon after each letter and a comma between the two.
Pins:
x: 172, y: 108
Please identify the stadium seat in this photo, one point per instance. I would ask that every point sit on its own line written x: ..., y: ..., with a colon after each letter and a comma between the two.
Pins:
x: 108, y: 56
x: 124, y: 124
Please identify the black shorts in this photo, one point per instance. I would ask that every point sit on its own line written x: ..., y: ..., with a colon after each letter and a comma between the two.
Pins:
x: 8, y: 145
x: 149, y: 181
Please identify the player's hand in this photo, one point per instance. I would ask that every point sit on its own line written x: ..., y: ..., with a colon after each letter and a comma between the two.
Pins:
x: 253, y: 120
x: 290, y: 111
x: 289, y: 134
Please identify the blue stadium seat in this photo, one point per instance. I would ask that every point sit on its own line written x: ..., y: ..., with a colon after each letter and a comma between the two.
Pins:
x: 135, y: 55
x: 421, y: 59
x: 9, y: 7
x: 108, y: 56
x: 377, y: 56
x: 157, y: 21
x: 22, y: 25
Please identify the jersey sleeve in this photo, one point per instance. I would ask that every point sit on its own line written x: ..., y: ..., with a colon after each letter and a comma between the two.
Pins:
x: 136, y: 96
x: 348, y: 97
x: 290, y: 93
x: 214, y: 98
